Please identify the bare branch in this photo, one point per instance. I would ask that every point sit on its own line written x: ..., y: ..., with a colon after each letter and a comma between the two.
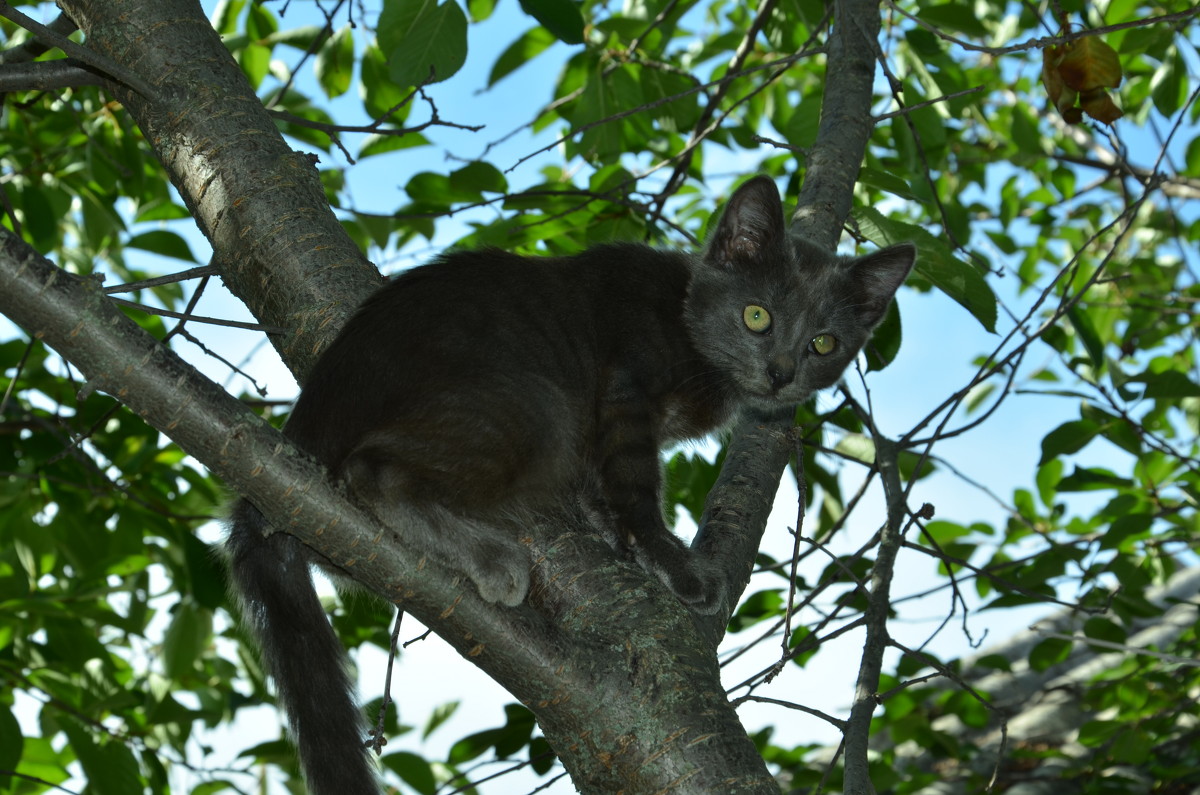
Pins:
x: 212, y: 321
x: 94, y: 59
x: 49, y: 75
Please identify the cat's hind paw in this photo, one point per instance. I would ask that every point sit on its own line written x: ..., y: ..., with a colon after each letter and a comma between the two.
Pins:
x: 699, y: 587
x: 500, y: 570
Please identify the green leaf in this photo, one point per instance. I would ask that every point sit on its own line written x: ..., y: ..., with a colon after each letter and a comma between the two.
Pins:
x: 225, y: 17
x: 759, y: 606
x: 164, y: 243
x: 1048, y: 476
x: 255, y: 60
x: 1192, y: 158
x: 857, y: 446
x: 1025, y: 133
x: 1132, y: 746
x: 441, y: 713
x: 1169, y: 86
x: 908, y: 461
x: 478, y: 177
x: 886, y: 182
x: 602, y: 98
x: 560, y: 17
x: 261, y: 22
x: 480, y: 9
x: 541, y: 756
x: 884, y: 344
x: 1070, y: 437
x: 687, y: 481
x: 935, y: 262
x: 1049, y: 652
x: 414, y: 770
x: 40, y: 223
x: 423, y: 42
x: 1123, y: 528
x: 302, y: 38
x: 382, y: 144
x: 12, y: 742
x: 943, y: 532
x: 953, y: 17
x: 1104, y: 629
x: 528, y: 45
x: 1092, y: 479
x: 335, y: 63
x: 381, y: 96
x: 1086, y: 330
x: 188, y: 634
x: 109, y: 766
x: 1167, y: 385
x: 1098, y: 732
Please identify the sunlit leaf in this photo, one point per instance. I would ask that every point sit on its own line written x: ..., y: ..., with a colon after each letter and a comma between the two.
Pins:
x: 935, y: 262
x: 335, y: 63
x: 560, y: 17
x: 527, y: 46
x: 423, y: 42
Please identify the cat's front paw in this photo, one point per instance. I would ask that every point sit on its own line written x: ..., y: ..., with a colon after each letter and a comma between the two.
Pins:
x: 696, y: 585
x: 500, y: 570
x: 708, y: 599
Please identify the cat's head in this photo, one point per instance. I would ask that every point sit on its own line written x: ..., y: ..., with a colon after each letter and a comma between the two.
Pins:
x: 780, y: 316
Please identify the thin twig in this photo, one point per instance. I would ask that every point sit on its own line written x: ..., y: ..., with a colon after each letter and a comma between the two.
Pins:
x: 212, y: 321
x: 190, y: 273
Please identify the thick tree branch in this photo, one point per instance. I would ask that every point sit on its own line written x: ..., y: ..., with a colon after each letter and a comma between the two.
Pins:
x: 834, y: 160
x: 738, y: 506
x: 833, y: 166
x: 261, y: 205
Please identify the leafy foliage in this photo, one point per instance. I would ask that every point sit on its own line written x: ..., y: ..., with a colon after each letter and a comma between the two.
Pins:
x: 1073, y: 247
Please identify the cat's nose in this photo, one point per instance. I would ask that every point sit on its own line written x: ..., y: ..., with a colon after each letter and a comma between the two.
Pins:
x: 781, y: 372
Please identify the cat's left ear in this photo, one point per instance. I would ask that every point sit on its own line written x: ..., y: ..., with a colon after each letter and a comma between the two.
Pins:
x: 879, y: 275
x: 751, y: 227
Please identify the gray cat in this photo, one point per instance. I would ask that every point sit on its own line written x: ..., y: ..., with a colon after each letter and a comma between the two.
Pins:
x: 487, y: 386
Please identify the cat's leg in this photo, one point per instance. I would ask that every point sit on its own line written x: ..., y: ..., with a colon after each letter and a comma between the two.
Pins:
x: 488, y: 554
x: 630, y: 475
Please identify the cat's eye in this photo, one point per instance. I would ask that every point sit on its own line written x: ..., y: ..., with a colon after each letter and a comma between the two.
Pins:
x: 824, y: 343
x: 757, y: 319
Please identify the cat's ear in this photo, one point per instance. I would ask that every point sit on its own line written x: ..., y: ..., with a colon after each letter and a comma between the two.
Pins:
x: 751, y: 226
x: 879, y: 275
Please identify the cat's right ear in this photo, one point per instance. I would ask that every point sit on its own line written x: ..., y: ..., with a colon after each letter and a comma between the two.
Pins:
x: 751, y: 225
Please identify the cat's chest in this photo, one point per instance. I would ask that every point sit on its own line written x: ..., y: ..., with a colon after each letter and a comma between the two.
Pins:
x: 691, y: 408
x: 682, y: 417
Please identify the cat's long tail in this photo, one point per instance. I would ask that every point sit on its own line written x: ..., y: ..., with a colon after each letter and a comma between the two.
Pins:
x: 271, y: 580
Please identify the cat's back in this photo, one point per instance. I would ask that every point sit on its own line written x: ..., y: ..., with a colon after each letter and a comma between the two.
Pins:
x: 498, y: 309
x: 475, y: 323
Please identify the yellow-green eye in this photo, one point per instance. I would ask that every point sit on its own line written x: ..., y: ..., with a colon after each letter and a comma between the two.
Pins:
x: 757, y: 319
x: 824, y: 343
